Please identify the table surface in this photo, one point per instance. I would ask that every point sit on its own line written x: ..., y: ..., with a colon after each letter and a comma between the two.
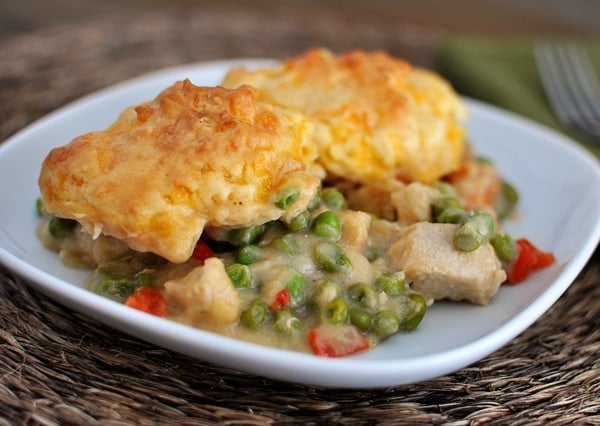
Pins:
x: 60, y: 367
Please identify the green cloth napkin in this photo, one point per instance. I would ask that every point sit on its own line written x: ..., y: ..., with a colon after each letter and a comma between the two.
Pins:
x: 503, y: 73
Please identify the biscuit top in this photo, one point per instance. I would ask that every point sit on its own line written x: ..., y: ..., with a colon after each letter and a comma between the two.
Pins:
x: 376, y: 117
x: 192, y: 157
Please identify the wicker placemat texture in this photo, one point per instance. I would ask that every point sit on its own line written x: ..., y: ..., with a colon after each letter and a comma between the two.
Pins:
x: 60, y: 367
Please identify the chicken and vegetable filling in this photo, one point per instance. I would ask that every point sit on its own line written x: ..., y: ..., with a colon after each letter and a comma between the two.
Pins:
x: 331, y: 280
x: 322, y: 205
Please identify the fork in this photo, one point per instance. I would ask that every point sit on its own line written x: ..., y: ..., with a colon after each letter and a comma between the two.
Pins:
x: 571, y: 85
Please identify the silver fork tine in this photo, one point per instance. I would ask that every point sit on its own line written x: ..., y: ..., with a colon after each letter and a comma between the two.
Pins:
x: 552, y: 81
x: 580, y: 81
x: 587, y: 77
x: 571, y: 85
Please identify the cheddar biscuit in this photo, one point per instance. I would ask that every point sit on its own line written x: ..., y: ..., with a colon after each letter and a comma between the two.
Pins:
x: 192, y: 157
x: 376, y: 117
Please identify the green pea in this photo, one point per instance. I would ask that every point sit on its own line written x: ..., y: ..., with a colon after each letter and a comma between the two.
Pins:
x: 244, y: 236
x: 287, y: 244
x: 509, y: 192
x: 240, y: 275
x: 330, y: 257
x: 327, y: 224
x: 256, y: 314
x: 467, y: 238
x: 143, y: 279
x: 485, y: 223
x: 506, y: 200
x: 325, y: 290
x: 444, y: 203
x: 296, y: 286
x: 372, y: 253
x: 451, y: 215
x: 385, y: 323
x: 335, y: 312
x: 476, y: 228
x: 39, y: 207
x: 274, y: 227
x: 364, y: 295
x: 445, y: 188
x: 60, y: 228
x: 300, y: 222
x: 249, y: 254
x: 504, y: 246
x: 361, y: 319
x: 118, y: 289
x: 416, y: 307
x: 391, y: 284
x: 333, y: 199
x: 286, y: 197
x: 286, y: 322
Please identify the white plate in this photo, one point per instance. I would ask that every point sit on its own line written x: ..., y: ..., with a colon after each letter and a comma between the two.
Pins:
x: 558, y: 181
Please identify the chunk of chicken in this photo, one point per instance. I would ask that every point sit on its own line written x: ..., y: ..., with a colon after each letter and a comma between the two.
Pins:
x: 355, y: 228
x: 395, y: 201
x: 427, y: 256
x: 372, y: 198
x: 206, y: 295
x: 101, y: 249
x: 412, y: 202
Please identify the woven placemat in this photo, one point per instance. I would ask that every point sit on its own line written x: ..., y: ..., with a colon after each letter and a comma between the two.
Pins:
x: 60, y: 367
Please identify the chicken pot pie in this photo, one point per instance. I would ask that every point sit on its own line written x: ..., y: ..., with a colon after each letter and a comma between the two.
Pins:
x: 324, y: 209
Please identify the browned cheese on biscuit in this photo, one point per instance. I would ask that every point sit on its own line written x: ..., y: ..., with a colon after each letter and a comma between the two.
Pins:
x: 376, y: 117
x: 192, y: 157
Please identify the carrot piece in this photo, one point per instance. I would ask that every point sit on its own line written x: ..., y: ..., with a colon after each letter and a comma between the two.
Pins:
x: 336, y: 341
x: 148, y: 299
x: 282, y: 299
x: 202, y: 251
x: 529, y: 259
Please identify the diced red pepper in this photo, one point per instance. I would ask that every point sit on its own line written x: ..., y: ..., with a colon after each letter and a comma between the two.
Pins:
x: 148, y: 299
x: 202, y: 251
x: 336, y: 340
x: 528, y: 259
x: 282, y: 299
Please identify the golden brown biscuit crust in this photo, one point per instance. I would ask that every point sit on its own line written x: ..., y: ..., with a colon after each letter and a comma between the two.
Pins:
x: 376, y: 117
x: 192, y: 157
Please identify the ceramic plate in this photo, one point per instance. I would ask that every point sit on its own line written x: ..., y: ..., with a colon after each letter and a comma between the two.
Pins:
x: 560, y: 211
